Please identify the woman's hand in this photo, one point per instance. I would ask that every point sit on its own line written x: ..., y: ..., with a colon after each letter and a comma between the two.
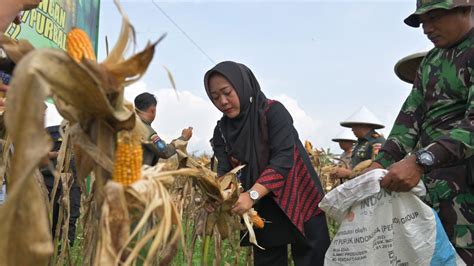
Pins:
x: 243, y: 204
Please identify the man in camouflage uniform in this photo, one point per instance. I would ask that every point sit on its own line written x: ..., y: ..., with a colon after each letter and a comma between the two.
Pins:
x: 438, y: 115
x: 363, y: 124
x: 145, y: 106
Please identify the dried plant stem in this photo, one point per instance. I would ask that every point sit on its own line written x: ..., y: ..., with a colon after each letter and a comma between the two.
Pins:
x: 205, y: 250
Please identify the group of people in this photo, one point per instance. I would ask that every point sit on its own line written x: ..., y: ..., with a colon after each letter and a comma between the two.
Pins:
x: 362, y: 145
x: 432, y: 139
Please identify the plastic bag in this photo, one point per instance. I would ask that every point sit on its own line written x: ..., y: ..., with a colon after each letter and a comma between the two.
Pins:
x: 378, y: 227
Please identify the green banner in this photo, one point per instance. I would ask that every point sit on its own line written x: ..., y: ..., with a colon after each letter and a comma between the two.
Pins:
x: 48, y: 25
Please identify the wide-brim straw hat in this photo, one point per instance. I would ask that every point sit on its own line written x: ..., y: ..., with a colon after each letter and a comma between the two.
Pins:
x: 407, y: 67
x: 363, y: 116
x: 345, y: 135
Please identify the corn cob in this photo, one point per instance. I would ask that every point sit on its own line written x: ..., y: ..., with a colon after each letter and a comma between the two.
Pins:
x: 257, y: 221
x: 79, y: 45
x: 308, y: 146
x: 360, y: 167
x: 128, y: 158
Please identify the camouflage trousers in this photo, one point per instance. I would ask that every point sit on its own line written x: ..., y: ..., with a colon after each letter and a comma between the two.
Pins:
x: 450, y: 195
x: 467, y: 255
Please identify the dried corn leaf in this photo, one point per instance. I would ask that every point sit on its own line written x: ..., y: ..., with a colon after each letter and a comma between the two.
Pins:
x: 14, y: 49
x: 133, y: 69
x: 251, y: 232
x: 127, y: 35
x: 25, y: 236
x: 151, y: 198
x: 71, y: 82
x: 90, y: 95
x: 227, y: 179
x: 85, y: 143
x: 115, y: 225
x: 224, y: 225
x: 173, y: 83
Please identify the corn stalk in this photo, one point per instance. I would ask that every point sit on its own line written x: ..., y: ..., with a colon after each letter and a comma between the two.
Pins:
x: 90, y: 96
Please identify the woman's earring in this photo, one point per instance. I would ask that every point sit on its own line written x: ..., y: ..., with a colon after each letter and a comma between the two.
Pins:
x: 251, y: 99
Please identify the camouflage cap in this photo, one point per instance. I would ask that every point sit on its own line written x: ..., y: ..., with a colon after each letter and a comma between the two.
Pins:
x: 423, y: 6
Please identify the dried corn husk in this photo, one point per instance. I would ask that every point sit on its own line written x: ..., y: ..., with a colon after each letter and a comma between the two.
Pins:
x: 223, y: 192
x: 90, y: 96
x: 25, y: 235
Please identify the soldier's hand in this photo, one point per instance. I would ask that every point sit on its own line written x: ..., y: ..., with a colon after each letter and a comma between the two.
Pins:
x: 403, y: 175
x: 187, y: 133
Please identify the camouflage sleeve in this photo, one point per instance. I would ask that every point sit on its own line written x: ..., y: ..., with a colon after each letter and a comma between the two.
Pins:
x: 459, y: 144
x: 405, y: 132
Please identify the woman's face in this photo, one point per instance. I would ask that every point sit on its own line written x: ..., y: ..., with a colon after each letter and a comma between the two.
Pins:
x: 224, y: 96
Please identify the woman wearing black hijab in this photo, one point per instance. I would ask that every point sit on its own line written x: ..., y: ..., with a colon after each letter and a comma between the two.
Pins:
x: 279, y: 180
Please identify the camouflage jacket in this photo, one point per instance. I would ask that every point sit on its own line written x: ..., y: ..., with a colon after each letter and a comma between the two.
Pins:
x: 439, y: 115
x: 366, y: 147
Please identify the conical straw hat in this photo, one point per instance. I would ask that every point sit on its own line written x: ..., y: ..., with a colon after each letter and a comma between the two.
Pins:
x: 345, y: 135
x: 363, y: 116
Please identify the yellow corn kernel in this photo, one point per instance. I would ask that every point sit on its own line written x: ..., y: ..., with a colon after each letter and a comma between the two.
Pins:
x: 79, y: 46
x: 308, y: 146
x: 257, y: 221
x: 128, y: 158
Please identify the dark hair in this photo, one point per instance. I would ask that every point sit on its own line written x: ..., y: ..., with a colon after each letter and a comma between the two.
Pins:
x: 144, y: 101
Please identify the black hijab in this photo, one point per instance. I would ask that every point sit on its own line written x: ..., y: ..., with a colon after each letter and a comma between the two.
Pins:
x: 245, y: 135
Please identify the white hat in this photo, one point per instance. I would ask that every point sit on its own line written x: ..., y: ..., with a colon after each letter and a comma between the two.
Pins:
x: 363, y: 116
x: 406, y: 67
x: 52, y: 117
x: 345, y: 135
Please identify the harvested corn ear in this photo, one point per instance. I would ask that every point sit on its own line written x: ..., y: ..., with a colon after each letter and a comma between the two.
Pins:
x: 128, y: 158
x: 257, y: 221
x: 79, y: 45
x: 360, y: 167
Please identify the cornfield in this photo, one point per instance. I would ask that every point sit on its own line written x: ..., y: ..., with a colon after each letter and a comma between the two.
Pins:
x: 132, y: 214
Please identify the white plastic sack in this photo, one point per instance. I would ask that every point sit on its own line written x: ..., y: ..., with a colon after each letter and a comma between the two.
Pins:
x: 378, y: 227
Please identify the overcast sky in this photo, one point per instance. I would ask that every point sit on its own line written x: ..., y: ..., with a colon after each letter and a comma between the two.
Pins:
x: 321, y: 59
